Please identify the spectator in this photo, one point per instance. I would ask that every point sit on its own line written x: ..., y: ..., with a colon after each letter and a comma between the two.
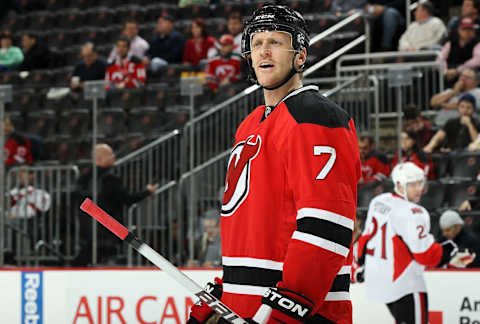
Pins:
x: 469, y: 9
x: 10, y: 56
x: 90, y: 68
x: 339, y: 7
x: 462, y: 52
x: 127, y: 71
x: 186, y: 3
x: 166, y: 46
x: 447, y: 101
x: 235, y: 28
x: 35, y: 55
x: 414, y: 122
x: 208, y: 248
x: 224, y: 69
x: 17, y: 146
x: 390, y: 13
x: 425, y: 32
x: 26, y: 201
x: 412, y: 152
x: 198, y: 47
x: 138, y: 45
x: 374, y: 163
x: 112, y: 197
x: 452, y: 226
x: 457, y: 132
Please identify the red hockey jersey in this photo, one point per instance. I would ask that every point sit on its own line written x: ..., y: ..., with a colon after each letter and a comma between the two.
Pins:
x: 18, y: 150
x: 375, y: 167
x: 220, y: 68
x: 289, y: 205
x: 131, y: 72
x: 421, y: 160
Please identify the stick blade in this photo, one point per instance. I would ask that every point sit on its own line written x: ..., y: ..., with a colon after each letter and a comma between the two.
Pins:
x: 105, y: 219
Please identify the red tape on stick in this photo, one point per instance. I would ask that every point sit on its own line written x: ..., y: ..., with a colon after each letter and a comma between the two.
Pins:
x: 105, y: 219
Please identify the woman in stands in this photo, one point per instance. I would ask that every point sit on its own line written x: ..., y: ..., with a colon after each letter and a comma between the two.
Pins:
x: 411, y: 152
x: 197, y: 48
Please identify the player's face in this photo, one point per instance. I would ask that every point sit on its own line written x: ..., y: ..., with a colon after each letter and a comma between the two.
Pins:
x: 272, y: 55
x: 415, y: 190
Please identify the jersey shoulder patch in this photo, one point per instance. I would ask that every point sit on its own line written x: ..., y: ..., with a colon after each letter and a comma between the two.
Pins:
x: 313, y: 108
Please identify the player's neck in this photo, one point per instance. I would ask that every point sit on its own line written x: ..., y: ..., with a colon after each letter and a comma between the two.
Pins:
x: 273, y: 97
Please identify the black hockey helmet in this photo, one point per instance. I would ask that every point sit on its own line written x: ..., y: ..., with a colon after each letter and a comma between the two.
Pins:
x: 272, y: 17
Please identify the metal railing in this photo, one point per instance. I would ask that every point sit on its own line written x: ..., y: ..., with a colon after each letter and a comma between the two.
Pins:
x: 154, y: 220
x: 40, y: 215
x: 426, y: 71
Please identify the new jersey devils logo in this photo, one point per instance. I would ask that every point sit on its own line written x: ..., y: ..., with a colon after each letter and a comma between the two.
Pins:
x: 238, y: 173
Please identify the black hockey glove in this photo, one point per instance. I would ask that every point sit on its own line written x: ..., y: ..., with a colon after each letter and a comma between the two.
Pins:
x: 283, y: 306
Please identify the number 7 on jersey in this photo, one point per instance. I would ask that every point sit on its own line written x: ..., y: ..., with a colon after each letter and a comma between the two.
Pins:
x: 319, y: 150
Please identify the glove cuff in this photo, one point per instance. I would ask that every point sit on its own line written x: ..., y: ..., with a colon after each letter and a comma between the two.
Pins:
x: 449, y: 248
x: 289, y: 303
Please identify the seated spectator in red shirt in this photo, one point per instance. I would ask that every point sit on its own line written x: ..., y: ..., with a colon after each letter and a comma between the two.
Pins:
x: 411, y: 152
x: 414, y: 122
x: 224, y: 69
x: 374, y: 163
x: 127, y: 71
x: 198, y: 47
x: 17, y: 146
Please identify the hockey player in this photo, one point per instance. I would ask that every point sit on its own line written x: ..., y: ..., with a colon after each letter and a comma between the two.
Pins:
x: 288, y: 210
x: 396, y: 245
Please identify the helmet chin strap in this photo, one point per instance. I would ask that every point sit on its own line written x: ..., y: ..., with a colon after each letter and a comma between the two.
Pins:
x: 290, y: 74
x: 404, y: 195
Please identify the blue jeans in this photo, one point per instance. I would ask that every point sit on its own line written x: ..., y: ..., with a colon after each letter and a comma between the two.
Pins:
x: 391, y: 21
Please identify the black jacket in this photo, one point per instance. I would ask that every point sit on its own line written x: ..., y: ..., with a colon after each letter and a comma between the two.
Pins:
x: 466, y: 240
x: 112, y: 197
x: 38, y: 57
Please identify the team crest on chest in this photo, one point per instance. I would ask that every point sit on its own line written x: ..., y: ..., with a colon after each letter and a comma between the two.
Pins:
x: 238, y: 173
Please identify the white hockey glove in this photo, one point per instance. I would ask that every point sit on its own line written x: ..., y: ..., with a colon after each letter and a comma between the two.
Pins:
x: 461, y: 259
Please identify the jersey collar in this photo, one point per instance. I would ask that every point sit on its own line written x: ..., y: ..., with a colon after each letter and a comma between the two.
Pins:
x: 269, y: 109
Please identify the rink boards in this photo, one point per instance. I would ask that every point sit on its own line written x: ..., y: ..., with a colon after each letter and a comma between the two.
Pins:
x: 148, y: 296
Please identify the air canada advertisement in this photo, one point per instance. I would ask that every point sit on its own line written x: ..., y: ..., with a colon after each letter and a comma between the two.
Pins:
x: 149, y: 296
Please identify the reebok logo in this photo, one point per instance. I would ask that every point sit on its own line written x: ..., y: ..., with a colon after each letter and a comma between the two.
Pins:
x: 32, y: 298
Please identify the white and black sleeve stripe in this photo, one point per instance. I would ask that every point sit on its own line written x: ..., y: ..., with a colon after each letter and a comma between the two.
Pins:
x: 324, y: 229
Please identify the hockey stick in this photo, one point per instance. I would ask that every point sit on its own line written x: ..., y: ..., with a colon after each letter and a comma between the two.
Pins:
x: 124, y: 234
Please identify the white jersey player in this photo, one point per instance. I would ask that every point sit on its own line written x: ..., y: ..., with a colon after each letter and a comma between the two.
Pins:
x: 396, y: 245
